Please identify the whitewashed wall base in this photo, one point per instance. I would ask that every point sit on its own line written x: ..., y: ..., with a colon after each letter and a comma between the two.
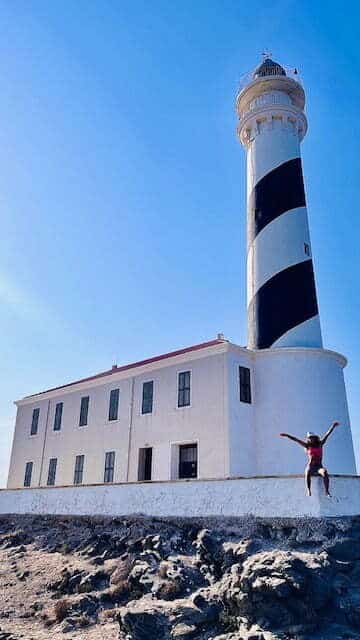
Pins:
x: 262, y: 497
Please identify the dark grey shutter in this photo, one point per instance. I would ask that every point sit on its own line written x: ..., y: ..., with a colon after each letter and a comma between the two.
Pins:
x: 34, y: 422
x: 109, y: 466
x: 58, y: 416
x: 184, y: 389
x: 114, y: 404
x: 84, y: 410
x: 245, y: 384
x: 147, y: 397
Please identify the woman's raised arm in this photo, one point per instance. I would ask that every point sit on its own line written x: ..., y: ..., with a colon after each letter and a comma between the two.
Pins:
x: 297, y: 440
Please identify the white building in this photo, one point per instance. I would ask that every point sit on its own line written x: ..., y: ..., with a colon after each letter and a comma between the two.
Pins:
x: 214, y: 410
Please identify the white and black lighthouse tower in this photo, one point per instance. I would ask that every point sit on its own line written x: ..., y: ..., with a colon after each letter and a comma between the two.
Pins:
x: 282, y: 301
x: 299, y: 384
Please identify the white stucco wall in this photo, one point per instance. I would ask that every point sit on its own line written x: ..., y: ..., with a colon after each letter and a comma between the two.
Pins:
x: 299, y: 390
x: 263, y: 497
x: 204, y: 422
x: 242, y: 450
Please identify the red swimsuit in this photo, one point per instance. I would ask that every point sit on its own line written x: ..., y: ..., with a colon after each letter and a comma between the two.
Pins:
x: 315, y: 457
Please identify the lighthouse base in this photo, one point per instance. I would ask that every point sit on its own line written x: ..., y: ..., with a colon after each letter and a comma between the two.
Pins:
x: 265, y: 497
x: 295, y: 390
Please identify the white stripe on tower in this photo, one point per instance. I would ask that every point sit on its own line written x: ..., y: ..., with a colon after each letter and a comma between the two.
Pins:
x: 279, y: 245
x: 282, y: 302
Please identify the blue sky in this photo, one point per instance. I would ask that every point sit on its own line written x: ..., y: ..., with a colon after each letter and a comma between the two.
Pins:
x: 122, y: 184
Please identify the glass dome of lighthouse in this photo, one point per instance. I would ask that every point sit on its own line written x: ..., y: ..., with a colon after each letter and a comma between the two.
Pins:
x: 268, y: 68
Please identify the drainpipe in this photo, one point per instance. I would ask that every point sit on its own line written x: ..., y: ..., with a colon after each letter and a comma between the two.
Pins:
x: 130, y: 427
x: 43, y: 449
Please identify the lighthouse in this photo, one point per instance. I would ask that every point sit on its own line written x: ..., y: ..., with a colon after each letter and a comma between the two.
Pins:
x: 299, y: 384
x: 281, y: 292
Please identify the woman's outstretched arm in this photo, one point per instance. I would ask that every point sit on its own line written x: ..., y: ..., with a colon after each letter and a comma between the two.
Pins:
x: 329, y: 432
x: 287, y: 435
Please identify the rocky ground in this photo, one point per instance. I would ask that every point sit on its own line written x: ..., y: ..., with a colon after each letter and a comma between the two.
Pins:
x: 156, y: 579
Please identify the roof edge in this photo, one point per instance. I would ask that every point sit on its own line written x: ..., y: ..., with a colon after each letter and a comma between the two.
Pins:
x: 105, y: 375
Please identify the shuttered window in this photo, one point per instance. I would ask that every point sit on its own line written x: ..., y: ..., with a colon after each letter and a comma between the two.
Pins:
x: 58, y: 416
x: 184, y: 382
x: 28, y: 474
x: 109, y: 466
x: 52, y: 472
x: 34, y: 422
x: 79, y: 469
x: 84, y: 410
x: 147, y: 397
x: 114, y: 404
x: 245, y: 384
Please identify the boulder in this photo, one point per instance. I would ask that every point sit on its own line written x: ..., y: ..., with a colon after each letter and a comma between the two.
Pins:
x: 346, y: 550
x: 86, y: 604
x: 96, y: 581
x: 209, y: 549
x: 145, y: 625
x: 67, y: 583
x: 122, y: 569
x: 16, y: 539
x: 184, y: 631
x: 278, y: 589
x: 68, y: 625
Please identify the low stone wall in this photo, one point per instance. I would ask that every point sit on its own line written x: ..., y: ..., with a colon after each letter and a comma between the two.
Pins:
x: 264, y: 497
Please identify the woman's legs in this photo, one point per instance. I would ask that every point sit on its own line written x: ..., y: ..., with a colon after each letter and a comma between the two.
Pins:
x: 325, y: 476
x: 308, y: 480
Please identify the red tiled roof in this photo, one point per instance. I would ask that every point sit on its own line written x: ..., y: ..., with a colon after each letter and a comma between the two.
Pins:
x: 133, y: 365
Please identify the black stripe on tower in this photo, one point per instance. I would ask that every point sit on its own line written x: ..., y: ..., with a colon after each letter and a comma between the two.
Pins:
x: 280, y: 190
x: 282, y: 303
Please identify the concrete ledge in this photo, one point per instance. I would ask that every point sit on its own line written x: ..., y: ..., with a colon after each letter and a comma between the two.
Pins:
x: 274, y: 496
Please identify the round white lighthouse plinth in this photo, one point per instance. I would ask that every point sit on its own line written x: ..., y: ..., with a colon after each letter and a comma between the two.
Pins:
x: 299, y: 390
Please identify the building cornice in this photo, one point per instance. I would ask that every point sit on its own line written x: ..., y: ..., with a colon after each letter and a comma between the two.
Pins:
x: 316, y: 352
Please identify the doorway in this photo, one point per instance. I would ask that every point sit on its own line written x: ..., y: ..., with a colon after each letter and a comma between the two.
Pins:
x: 188, y: 460
x: 145, y: 464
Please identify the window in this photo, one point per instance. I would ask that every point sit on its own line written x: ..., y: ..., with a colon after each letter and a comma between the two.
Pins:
x: 245, y: 384
x: 109, y: 466
x: 58, y: 416
x: 52, y: 472
x: 307, y: 249
x: 145, y: 464
x: 34, y: 422
x: 79, y: 469
x: 147, y: 397
x: 184, y: 389
x: 114, y: 404
x: 84, y: 410
x: 188, y: 461
x: 28, y: 474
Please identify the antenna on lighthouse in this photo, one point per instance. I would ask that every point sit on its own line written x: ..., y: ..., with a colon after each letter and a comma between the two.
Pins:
x: 266, y: 54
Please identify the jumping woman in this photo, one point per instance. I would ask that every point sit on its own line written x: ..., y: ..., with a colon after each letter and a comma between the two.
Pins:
x: 314, y: 449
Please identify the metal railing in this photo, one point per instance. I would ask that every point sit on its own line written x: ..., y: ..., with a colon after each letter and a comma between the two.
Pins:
x: 249, y: 76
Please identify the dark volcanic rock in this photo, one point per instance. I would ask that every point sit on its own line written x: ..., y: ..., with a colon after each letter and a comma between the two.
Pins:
x: 96, y: 581
x: 279, y: 589
x: 347, y: 549
x: 223, y: 579
x: 209, y: 549
x: 87, y: 604
x: 143, y: 625
x: 16, y: 539
x: 68, y: 583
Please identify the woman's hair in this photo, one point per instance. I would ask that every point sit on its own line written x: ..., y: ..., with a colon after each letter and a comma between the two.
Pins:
x: 313, y: 438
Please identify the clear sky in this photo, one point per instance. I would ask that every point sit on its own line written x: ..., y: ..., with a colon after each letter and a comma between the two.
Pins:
x: 122, y: 184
